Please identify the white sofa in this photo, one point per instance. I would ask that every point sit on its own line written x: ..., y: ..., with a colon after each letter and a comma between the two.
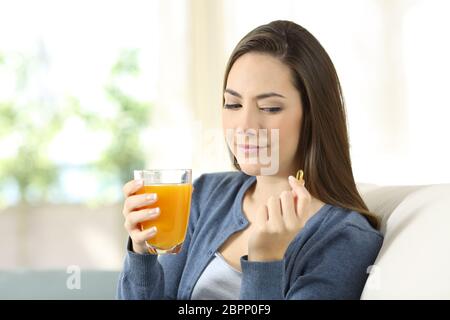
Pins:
x: 414, y: 261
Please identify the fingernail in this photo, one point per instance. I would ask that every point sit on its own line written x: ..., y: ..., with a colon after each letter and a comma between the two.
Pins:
x: 152, y: 231
x: 292, y: 179
x: 151, y: 196
x: 139, y: 183
x: 153, y: 211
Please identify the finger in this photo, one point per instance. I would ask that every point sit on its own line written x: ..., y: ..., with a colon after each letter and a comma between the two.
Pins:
x: 303, y: 206
x: 261, y: 216
x: 274, y: 210
x: 131, y: 187
x: 138, y: 201
x: 142, y: 236
x: 297, y: 186
x: 132, y: 220
x: 302, y: 194
x: 288, y: 209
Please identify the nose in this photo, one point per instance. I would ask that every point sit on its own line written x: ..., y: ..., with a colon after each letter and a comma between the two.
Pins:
x: 247, y: 122
x: 247, y: 125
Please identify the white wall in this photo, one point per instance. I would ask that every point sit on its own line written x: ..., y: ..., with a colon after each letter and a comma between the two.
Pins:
x: 391, y: 59
x: 56, y: 236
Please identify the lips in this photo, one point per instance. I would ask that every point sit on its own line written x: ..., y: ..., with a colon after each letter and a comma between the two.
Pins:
x: 250, y: 147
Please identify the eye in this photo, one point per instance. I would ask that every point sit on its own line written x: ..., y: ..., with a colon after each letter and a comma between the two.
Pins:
x: 231, y: 106
x: 271, y: 109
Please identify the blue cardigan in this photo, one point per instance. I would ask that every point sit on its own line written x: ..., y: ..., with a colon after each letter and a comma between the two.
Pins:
x: 328, y: 259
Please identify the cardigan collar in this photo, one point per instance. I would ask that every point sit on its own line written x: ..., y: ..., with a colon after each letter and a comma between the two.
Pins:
x: 238, y: 212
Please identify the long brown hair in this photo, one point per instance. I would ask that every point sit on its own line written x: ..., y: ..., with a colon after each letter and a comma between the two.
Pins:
x: 323, y: 150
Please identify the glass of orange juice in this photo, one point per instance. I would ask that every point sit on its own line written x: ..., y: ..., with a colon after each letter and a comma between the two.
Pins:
x: 174, y: 189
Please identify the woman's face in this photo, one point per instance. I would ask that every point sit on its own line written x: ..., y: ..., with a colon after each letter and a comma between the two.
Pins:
x: 259, y: 95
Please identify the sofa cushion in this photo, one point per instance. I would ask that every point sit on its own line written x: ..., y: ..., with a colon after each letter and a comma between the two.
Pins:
x: 414, y: 261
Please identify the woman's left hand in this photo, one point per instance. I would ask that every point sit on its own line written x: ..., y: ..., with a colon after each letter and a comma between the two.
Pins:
x: 278, y: 222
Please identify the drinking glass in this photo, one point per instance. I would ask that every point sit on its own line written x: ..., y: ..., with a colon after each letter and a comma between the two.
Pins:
x: 174, y: 189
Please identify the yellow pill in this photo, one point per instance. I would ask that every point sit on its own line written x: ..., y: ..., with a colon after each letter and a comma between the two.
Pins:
x: 299, y: 175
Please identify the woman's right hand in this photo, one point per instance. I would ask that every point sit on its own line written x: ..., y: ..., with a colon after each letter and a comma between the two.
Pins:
x: 134, y: 214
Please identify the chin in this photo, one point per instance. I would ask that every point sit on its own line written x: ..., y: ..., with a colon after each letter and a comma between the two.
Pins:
x: 251, y: 170
x: 254, y: 169
x: 257, y: 169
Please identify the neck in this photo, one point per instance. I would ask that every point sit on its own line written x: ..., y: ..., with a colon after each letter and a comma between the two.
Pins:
x: 267, y: 186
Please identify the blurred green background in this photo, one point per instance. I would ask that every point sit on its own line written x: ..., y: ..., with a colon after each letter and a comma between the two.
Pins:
x: 33, y: 129
x: 34, y: 124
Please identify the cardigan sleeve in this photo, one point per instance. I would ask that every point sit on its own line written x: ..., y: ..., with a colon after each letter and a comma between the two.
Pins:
x: 153, y: 277
x: 147, y: 277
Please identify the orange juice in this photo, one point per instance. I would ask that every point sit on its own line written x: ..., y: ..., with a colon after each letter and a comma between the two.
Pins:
x: 174, y: 202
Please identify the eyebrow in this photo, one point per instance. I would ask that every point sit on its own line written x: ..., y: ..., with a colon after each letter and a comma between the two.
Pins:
x: 258, y: 97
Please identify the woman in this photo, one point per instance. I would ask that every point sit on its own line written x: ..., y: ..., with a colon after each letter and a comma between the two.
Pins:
x: 259, y: 235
